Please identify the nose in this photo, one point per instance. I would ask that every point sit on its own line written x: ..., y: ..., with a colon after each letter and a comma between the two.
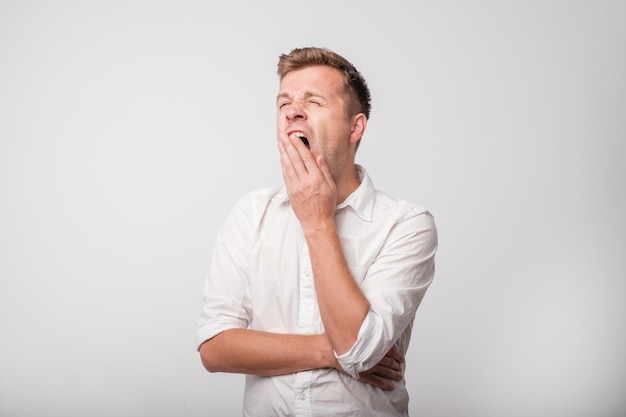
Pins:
x: 295, y: 111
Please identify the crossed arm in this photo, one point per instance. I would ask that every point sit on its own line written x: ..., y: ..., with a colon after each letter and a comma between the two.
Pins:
x: 269, y: 354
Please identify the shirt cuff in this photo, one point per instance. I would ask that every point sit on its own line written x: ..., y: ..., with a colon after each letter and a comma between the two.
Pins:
x: 358, y: 358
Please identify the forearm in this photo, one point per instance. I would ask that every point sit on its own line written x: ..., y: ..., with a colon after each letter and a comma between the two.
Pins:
x: 342, y: 305
x: 266, y: 354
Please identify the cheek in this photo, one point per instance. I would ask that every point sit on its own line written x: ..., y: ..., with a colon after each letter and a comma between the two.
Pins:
x: 280, y: 125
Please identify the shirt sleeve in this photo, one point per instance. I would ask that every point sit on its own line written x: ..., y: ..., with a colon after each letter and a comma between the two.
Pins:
x: 394, y: 285
x: 226, y: 301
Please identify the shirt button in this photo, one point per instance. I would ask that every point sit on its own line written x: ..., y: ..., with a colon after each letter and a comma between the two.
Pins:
x: 306, y: 314
x: 302, y: 397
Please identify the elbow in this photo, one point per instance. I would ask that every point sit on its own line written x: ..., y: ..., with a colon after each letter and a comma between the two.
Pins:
x: 209, y: 358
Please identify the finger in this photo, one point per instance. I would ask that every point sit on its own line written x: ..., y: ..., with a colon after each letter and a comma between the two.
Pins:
x: 301, y: 155
x: 386, y: 372
x: 395, y: 354
x: 290, y: 157
x: 377, y: 382
x: 391, y: 363
x: 321, y: 163
x: 286, y: 164
x: 395, y: 375
x: 290, y: 153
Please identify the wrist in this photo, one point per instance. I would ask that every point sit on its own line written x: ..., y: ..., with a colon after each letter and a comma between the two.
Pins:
x: 321, y: 228
x: 325, y: 354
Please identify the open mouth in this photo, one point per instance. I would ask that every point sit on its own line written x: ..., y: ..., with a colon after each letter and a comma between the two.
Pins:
x: 303, y: 139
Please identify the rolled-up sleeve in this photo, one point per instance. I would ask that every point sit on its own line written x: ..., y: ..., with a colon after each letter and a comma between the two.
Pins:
x: 226, y: 293
x: 394, y: 285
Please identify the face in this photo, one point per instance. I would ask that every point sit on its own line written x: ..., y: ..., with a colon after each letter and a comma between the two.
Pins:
x: 311, y: 105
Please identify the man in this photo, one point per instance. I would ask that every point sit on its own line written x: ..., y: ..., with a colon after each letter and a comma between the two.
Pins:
x: 314, y: 286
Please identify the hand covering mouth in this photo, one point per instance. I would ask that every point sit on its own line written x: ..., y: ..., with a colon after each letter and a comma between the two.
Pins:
x: 303, y: 138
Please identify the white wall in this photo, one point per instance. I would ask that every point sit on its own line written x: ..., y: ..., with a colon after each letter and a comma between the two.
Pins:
x: 128, y: 129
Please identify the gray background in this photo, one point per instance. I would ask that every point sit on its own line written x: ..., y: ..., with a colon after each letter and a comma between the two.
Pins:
x: 128, y: 129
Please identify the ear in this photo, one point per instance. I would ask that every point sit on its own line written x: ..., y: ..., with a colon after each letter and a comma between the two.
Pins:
x: 359, y: 123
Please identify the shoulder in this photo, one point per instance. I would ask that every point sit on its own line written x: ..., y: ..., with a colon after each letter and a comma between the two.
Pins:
x: 244, y: 217
x: 400, y: 208
x: 413, y: 224
x: 259, y: 197
x: 410, y: 219
x: 251, y: 205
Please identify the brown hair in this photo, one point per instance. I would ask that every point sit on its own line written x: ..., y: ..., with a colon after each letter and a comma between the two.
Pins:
x: 354, y: 83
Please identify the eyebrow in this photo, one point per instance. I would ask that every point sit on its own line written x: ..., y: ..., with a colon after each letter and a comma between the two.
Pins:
x: 308, y: 94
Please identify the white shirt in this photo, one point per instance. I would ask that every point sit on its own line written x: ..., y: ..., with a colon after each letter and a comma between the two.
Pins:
x: 260, y: 278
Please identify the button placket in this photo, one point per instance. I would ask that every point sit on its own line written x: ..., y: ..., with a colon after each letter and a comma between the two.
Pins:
x: 307, y: 292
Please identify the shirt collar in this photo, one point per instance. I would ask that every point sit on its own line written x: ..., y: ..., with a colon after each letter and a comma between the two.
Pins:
x: 361, y: 200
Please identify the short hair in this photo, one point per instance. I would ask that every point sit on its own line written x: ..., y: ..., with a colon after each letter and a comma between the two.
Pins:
x: 354, y: 83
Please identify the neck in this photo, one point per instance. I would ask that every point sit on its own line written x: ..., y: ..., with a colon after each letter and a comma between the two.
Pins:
x: 348, y: 182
